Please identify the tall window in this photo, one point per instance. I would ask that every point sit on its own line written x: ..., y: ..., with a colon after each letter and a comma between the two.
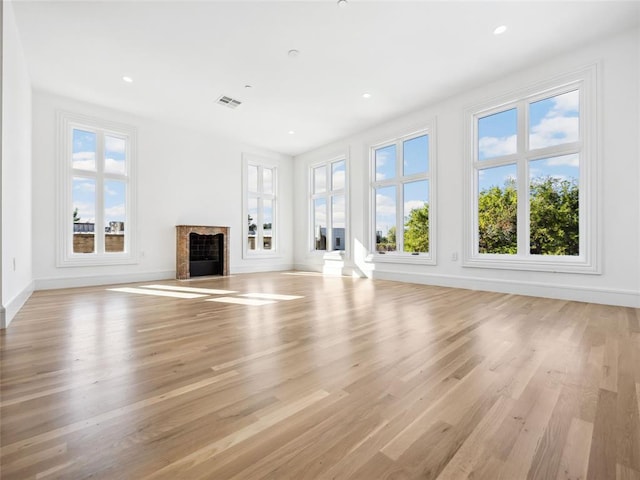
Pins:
x: 403, y: 195
x: 96, y: 213
x: 328, y: 206
x: 260, y: 211
x: 531, y: 165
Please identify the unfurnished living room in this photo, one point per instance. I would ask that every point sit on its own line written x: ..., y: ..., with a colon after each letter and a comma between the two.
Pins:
x: 321, y: 239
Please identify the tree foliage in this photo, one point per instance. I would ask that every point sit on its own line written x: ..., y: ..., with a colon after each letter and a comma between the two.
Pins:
x: 416, y: 234
x: 498, y: 219
x: 554, y: 217
x: 76, y: 217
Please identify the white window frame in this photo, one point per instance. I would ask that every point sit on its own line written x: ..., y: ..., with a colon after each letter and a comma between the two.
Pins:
x: 585, y: 81
x: 398, y: 181
x: 66, y: 123
x: 260, y: 163
x: 328, y: 195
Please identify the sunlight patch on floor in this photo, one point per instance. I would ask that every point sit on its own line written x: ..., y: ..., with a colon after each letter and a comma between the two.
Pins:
x: 157, y: 293
x: 206, y: 291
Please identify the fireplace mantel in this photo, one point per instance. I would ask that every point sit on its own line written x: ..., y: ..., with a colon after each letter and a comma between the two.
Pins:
x: 182, y: 247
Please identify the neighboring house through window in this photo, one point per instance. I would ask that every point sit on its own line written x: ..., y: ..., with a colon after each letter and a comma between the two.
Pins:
x: 260, y: 212
x: 96, y: 214
x: 328, y: 205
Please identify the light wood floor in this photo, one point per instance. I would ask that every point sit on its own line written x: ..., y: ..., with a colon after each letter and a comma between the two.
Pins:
x: 357, y: 379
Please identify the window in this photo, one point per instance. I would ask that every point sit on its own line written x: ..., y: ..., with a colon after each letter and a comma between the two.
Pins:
x: 403, y: 198
x: 328, y: 206
x: 260, y: 223
x: 533, y: 204
x: 96, y: 215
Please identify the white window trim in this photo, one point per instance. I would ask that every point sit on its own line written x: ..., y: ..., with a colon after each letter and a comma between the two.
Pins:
x: 259, y: 252
x: 586, y: 80
x: 328, y: 195
x: 66, y: 122
x: 430, y: 258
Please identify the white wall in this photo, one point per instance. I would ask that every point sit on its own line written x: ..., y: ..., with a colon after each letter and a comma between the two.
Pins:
x: 184, y: 177
x: 17, y: 279
x: 619, y: 282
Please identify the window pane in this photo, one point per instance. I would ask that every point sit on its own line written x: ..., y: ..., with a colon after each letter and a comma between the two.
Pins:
x: 554, y: 205
x: 385, y: 163
x: 416, y: 216
x: 320, y: 179
x: 84, y: 150
x: 338, y: 175
x: 498, y: 210
x: 252, y: 178
x: 497, y: 134
x: 386, y: 219
x: 320, y: 223
x: 267, y: 225
x: 555, y: 120
x: 115, y: 195
x: 84, y: 214
x: 416, y: 155
x: 338, y: 222
x: 115, y: 151
x: 252, y: 205
x: 267, y: 180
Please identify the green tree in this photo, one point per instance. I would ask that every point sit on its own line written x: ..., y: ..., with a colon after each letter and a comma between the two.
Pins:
x: 554, y: 216
x: 252, y: 226
x: 498, y: 219
x: 76, y: 217
x: 416, y: 234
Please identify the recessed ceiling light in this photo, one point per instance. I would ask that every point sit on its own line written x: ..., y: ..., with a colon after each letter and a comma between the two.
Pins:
x: 293, y: 53
x: 127, y: 79
x: 500, y: 30
x: 366, y: 95
x: 291, y: 132
x: 248, y: 86
x: 342, y: 3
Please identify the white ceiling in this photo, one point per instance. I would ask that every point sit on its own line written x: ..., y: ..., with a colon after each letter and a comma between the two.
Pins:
x: 183, y: 55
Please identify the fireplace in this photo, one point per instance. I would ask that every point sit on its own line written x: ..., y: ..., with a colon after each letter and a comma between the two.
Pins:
x: 201, y: 250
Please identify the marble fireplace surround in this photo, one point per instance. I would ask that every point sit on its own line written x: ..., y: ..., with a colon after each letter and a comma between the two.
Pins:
x: 182, y: 247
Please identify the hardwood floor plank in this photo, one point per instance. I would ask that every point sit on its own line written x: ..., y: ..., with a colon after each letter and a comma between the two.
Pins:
x: 338, y: 378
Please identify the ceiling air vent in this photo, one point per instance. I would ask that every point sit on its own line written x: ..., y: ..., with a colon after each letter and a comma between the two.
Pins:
x: 228, y: 101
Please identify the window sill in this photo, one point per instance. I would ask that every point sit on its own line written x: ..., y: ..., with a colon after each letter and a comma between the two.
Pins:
x: 553, y: 264
x: 405, y: 258
x: 92, y: 260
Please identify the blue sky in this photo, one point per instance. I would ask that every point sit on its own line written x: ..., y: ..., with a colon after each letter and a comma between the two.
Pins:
x: 415, y: 194
x: 553, y: 121
x: 84, y: 188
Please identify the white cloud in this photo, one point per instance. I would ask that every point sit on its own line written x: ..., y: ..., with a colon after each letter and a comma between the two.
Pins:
x: 554, y: 131
x: 567, y: 102
x: 412, y: 204
x: 114, y: 166
x: 85, y: 187
x: 114, y: 145
x: 380, y: 176
x: 84, y: 160
x: 565, y: 160
x: 115, y: 213
x: 385, y: 206
x: 338, y: 179
x: 490, y: 147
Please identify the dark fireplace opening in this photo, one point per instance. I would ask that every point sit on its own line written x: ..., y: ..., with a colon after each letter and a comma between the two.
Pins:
x: 206, y: 254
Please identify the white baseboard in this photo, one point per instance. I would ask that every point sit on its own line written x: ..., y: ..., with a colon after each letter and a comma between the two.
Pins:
x: 606, y: 296
x: 261, y: 268
x: 12, y: 307
x: 92, y: 280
